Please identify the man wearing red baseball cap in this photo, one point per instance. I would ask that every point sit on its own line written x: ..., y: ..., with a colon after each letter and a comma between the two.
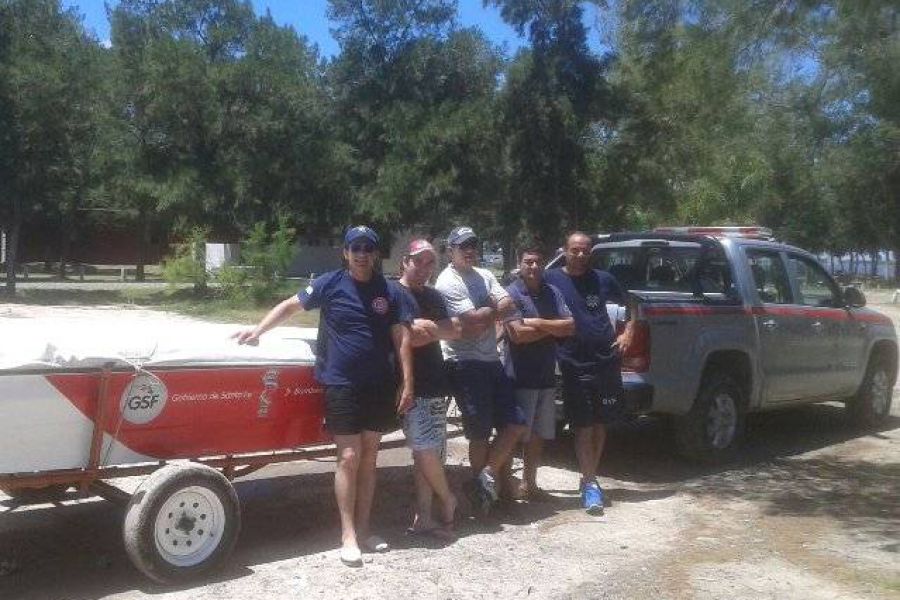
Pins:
x: 425, y: 423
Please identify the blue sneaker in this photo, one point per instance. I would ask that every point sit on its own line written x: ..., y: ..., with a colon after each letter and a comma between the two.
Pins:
x: 592, y: 498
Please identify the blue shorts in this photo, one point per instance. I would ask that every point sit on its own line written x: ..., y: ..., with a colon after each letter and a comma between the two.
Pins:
x: 485, y: 396
x: 425, y: 424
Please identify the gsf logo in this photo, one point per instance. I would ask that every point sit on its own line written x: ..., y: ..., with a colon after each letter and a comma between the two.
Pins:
x: 144, y: 399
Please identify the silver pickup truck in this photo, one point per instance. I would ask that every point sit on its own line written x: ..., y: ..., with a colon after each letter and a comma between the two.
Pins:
x: 729, y: 321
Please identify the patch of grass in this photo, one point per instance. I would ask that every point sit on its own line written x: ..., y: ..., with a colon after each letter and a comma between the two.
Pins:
x: 178, y: 300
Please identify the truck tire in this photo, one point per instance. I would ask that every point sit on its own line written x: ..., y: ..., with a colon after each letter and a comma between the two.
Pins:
x: 712, y: 431
x: 872, y: 403
x: 183, y: 521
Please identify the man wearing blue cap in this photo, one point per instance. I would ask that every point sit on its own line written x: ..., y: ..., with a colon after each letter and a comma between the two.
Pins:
x: 483, y: 391
x: 363, y: 323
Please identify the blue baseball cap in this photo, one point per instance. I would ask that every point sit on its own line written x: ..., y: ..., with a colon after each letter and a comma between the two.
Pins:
x: 461, y: 235
x: 360, y: 231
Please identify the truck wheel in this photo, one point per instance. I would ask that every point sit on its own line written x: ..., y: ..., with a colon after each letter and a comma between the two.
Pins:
x: 713, y: 429
x: 872, y: 403
x: 181, y: 522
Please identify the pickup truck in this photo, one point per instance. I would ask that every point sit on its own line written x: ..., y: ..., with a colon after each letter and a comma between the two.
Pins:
x: 729, y: 321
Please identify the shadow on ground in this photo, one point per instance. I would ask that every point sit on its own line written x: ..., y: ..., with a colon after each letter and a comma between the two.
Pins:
x: 74, y: 550
x: 772, y: 471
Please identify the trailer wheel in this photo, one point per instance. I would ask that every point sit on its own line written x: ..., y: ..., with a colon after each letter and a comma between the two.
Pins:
x: 712, y: 431
x: 181, y: 522
x: 872, y: 403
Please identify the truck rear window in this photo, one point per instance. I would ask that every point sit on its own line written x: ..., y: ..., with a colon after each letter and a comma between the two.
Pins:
x: 685, y: 269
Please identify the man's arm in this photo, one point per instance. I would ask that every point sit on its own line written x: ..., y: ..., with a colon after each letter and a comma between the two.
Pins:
x: 283, y: 311
x: 403, y: 348
x: 520, y: 333
x: 475, y: 322
x: 555, y: 327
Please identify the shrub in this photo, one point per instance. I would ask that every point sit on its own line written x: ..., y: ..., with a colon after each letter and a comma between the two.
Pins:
x: 188, y: 265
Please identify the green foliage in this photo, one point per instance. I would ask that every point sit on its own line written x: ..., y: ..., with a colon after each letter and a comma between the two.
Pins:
x: 263, y: 257
x: 188, y: 264
x: 205, y: 114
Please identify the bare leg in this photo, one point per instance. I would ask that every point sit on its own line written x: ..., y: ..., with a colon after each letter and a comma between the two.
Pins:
x: 345, y: 488
x: 478, y: 455
x: 429, y: 464
x: 534, y: 449
x: 585, y: 452
x: 504, y: 445
x: 599, y: 445
x: 422, y: 518
x: 365, y: 480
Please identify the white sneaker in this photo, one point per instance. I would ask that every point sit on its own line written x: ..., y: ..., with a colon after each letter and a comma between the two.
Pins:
x: 488, y: 484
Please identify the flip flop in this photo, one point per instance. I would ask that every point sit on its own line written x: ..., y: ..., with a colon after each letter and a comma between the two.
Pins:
x: 375, y: 543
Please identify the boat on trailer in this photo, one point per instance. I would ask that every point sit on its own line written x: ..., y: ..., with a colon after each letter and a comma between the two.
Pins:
x: 82, y: 404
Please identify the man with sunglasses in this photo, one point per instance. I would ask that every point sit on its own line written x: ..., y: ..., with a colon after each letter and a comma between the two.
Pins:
x: 590, y: 360
x: 483, y: 391
x: 363, y: 323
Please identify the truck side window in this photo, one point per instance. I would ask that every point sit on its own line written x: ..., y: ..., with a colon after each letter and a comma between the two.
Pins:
x: 769, y: 276
x: 815, y: 287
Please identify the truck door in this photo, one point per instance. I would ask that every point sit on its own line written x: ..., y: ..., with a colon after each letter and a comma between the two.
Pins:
x: 781, y: 330
x: 835, y: 344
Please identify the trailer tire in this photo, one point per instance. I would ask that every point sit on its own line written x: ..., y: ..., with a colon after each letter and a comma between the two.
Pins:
x: 872, y: 403
x: 713, y: 430
x: 182, y: 522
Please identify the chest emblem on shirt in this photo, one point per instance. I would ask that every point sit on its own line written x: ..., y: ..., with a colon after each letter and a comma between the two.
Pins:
x: 380, y: 305
x: 592, y: 301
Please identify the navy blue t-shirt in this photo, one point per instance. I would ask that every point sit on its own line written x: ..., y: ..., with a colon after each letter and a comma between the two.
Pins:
x: 428, y: 360
x: 586, y: 297
x: 534, y: 363
x: 354, y: 345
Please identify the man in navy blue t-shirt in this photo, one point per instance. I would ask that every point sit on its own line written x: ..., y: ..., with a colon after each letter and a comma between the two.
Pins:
x: 590, y: 360
x: 363, y: 323
x: 541, y: 318
x: 425, y: 423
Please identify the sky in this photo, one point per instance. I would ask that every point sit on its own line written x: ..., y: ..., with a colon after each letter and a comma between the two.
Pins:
x: 308, y: 18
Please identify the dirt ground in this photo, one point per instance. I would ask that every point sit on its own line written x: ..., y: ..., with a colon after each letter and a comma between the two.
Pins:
x: 809, y: 512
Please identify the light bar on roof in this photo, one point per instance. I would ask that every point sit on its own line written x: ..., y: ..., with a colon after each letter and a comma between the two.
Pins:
x: 753, y: 232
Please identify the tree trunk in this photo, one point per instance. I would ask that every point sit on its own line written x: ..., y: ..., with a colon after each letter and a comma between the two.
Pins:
x: 12, y: 248
x: 143, y: 240
x: 874, y: 271
x: 65, y: 243
x: 897, y: 265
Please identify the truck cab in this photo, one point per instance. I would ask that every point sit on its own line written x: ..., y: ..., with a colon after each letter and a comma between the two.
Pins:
x: 730, y: 321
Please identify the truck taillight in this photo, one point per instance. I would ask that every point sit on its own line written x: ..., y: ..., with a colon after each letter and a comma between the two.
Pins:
x: 637, y: 359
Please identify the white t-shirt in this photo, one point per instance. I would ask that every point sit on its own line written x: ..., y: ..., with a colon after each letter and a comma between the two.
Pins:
x: 464, y: 291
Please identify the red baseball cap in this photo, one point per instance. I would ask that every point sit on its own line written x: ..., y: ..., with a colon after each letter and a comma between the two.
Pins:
x: 418, y: 247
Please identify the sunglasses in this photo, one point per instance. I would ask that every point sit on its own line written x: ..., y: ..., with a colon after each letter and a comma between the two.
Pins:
x: 362, y: 248
x: 467, y: 245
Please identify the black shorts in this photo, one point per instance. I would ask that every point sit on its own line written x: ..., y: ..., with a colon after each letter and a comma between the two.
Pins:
x: 593, y: 396
x: 352, y: 409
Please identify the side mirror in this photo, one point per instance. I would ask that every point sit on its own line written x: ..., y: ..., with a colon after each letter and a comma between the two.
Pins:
x: 854, y: 298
